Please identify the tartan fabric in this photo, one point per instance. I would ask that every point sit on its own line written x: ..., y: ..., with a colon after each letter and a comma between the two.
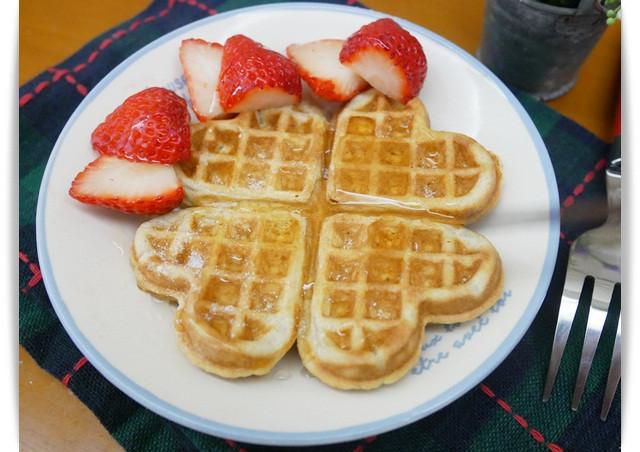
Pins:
x: 505, y: 412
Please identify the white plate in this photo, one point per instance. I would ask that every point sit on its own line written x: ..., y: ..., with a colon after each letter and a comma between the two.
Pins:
x: 129, y: 338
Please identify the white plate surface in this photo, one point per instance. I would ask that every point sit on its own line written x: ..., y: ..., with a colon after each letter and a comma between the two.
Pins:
x: 129, y: 338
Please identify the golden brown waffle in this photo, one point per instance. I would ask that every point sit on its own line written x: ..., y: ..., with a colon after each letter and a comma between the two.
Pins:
x: 386, y: 157
x: 273, y: 154
x: 379, y: 280
x: 236, y: 269
x: 236, y: 274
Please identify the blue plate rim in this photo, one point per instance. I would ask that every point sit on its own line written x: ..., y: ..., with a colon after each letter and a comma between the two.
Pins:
x: 182, y: 417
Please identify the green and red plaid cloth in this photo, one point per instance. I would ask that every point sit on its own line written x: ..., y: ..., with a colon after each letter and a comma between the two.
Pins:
x: 505, y: 412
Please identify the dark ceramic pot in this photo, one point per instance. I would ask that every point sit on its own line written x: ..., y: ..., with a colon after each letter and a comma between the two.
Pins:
x: 539, y: 48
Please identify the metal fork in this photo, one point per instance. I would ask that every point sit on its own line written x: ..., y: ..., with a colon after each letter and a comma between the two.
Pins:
x: 595, y: 253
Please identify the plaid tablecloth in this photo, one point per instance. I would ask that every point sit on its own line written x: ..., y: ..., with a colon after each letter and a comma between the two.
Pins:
x: 504, y: 412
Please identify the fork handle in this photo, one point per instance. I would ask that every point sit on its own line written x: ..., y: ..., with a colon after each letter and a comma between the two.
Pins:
x: 615, y: 152
x: 614, y: 171
x: 614, y: 196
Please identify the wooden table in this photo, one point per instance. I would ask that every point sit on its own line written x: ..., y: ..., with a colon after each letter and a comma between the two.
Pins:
x: 51, y: 417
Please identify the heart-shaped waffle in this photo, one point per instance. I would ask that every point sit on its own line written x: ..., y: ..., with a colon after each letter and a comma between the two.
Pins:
x: 236, y: 274
x: 379, y: 280
x: 386, y: 157
x: 236, y: 269
x: 273, y: 154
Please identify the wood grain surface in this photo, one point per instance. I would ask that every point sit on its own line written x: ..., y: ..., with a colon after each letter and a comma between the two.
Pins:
x: 51, y: 417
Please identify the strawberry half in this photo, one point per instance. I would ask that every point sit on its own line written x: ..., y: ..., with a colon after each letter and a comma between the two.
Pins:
x: 149, y: 126
x: 318, y: 63
x: 253, y: 77
x: 138, y: 188
x: 201, y: 61
x: 388, y: 57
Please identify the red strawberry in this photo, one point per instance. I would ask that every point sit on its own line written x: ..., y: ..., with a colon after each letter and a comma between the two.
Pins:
x: 388, y: 57
x: 130, y: 187
x: 253, y: 77
x: 149, y: 126
x: 201, y: 62
x: 318, y: 64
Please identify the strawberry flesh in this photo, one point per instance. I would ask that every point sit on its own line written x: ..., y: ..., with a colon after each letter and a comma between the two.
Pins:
x: 150, y: 126
x: 201, y: 61
x: 318, y: 63
x: 129, y: 187
x: 253, y: 77
x: 388, y: 57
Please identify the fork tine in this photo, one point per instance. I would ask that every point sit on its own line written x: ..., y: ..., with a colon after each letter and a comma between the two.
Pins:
x: 602, y: 292
x: 570, y: 296
x: 614, y: 375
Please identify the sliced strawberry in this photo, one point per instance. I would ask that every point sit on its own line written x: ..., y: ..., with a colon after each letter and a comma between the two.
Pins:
x: 388, y: 57
x: 130, y: 187
x: 201, y: 61
x: 253, y: 77
x: 149, y: 126
x: 318, y: 63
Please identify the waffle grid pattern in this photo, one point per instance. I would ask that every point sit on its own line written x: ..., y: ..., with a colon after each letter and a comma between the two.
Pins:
x: 272, y: 154
x: 372, y: 266
x: 241, y: 264
x: 386, y: 150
